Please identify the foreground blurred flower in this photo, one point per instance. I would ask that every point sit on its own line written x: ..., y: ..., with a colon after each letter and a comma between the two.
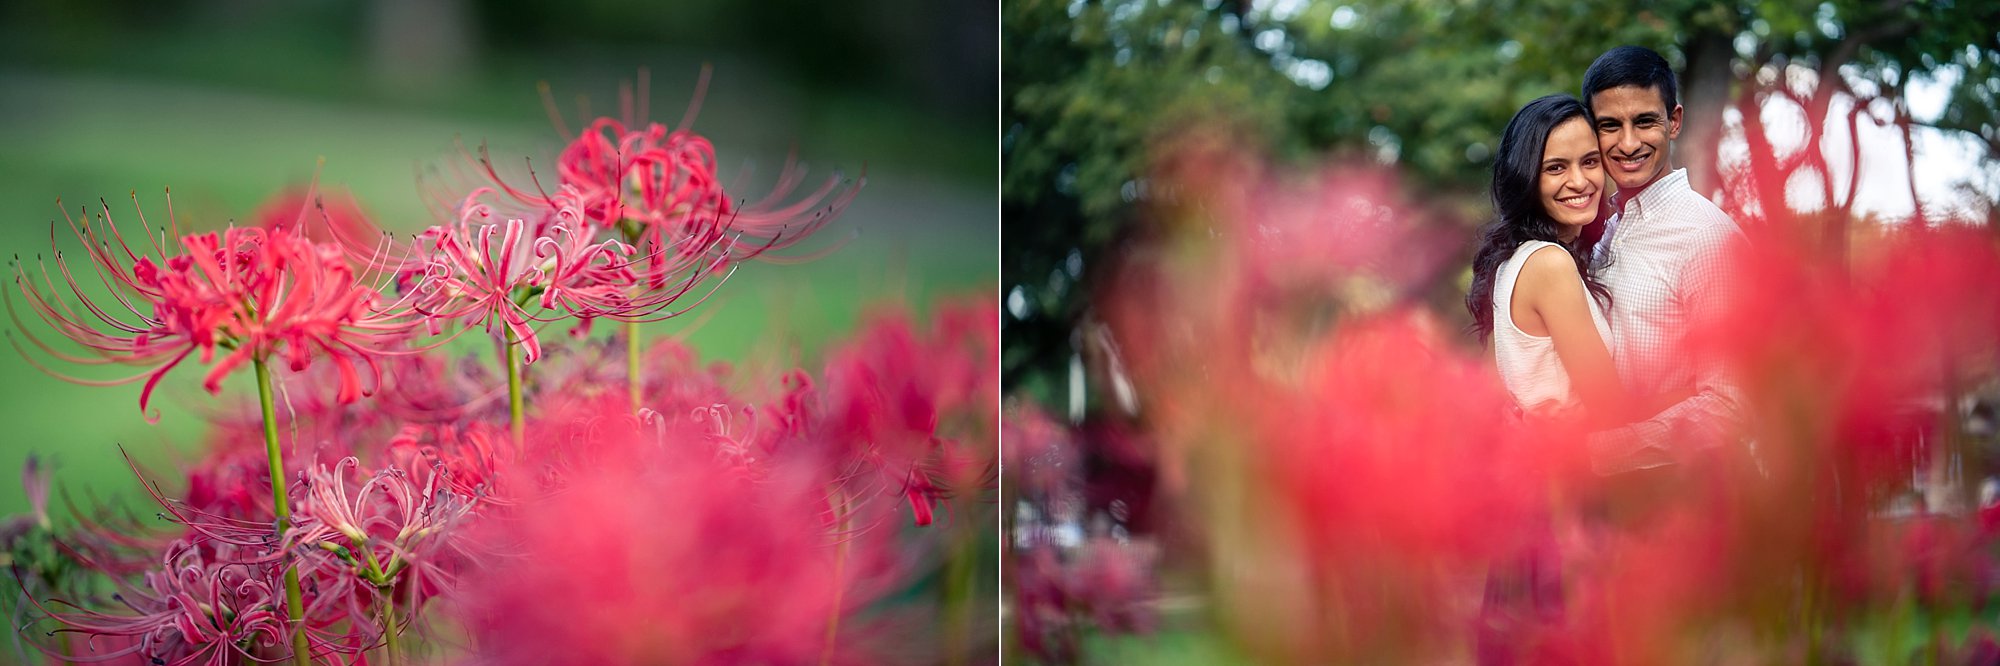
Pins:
x: 744, y: 572
x: 1349, y: 471
x: 325, y: 215
x: 917, y: 409
x: 251, y: 294
x: 1840, y: 358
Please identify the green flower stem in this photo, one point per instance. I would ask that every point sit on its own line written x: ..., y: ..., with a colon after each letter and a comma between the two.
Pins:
x: 385, y: 587
x: 515, y: 418
x: 388, y: 594
x: 635, y: 238
x: 295, y: 604
x: 841, y: 521
x: 957, y: 595
x: 1811, y: 612
x: 632, y: 387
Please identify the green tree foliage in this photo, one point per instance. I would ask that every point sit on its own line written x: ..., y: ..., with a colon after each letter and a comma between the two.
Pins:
x: 1089, y: 85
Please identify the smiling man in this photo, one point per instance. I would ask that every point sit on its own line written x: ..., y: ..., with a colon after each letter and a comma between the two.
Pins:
x: 1662, y: 259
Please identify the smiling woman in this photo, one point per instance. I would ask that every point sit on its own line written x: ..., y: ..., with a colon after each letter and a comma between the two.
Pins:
x: 1572, y: 177
x: 1534, y: 294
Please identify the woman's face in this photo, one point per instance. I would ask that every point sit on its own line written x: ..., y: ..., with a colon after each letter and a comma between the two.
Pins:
x: 1572, y: 177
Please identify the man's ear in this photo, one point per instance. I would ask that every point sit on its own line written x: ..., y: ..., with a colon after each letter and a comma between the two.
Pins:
x: 1674, y: 123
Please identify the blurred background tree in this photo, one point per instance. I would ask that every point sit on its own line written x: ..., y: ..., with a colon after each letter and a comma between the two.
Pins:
x: 1426, y: 86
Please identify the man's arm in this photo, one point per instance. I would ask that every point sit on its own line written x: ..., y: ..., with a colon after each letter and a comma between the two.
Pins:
x: 1712, y: 416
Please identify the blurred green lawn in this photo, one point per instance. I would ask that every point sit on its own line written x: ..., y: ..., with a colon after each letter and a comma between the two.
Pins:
x: 922, y: 228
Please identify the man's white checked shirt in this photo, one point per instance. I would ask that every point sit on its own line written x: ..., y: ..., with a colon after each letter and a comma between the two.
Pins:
x: 1662, y: 257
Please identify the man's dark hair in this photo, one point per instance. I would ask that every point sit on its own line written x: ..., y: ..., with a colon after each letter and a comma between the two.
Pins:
x: 1631, y: 66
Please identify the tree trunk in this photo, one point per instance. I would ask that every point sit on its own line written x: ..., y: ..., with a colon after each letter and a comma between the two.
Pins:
x: 1704, y: 96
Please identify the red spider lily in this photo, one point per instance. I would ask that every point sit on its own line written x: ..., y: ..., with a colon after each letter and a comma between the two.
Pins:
x: 1042, y: 458
x: 233, y: 524
x: 486, y: 273
x: 326, y: 215
x: 1946, y: 560
x: 483, y: 272
x: 701, y: 525
x: 780, y: 219
x: 1844, y: 369
x: 1371, y: 450
x: 251, y: 293
x: 674, y: 382
x: 430, y: 390
x: 468, y: 460
x: 234, y: 479
x: 887, y: 394
x: 597, y: 577
x: 673, y: 174
x: 1296, y: 230
x: 1117, y: 582
x: 387, y: 506
x: 193, y: 610
x: 1104, y: 585
x: 1833, y: 354
x: 1381, y: 491
x: 661, y: 186
x: 630, y: 172
x: 968, y: 330
x: 1064, y: 589
x: 1645, y: 593
x: 731, y: 432
x: 1044, y: 619
x: 1351, y: 469
x: 314, y: 425
x: 386, y: 534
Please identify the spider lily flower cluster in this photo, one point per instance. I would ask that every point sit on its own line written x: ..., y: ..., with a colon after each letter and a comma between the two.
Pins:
x: 228, y: 298
x: 1351, y: 471
x: 486, y: 271
x: 670, y: 514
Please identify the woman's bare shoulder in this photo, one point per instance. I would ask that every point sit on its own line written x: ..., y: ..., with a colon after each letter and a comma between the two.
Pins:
x: 1550, y: 263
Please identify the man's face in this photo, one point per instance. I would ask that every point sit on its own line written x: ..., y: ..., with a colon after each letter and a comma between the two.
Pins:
x: 1636, y: 130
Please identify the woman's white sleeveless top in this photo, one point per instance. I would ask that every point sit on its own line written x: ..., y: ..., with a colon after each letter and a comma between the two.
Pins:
x: 1528, y: 364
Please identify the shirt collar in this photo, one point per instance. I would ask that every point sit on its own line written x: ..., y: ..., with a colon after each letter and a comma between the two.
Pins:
x: 1655, y: 193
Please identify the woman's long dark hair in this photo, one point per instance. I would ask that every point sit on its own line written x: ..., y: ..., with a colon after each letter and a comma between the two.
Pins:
x: 1518, y: 214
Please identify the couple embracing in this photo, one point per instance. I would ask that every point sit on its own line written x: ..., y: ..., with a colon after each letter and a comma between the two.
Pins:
x: 1588, y: 291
